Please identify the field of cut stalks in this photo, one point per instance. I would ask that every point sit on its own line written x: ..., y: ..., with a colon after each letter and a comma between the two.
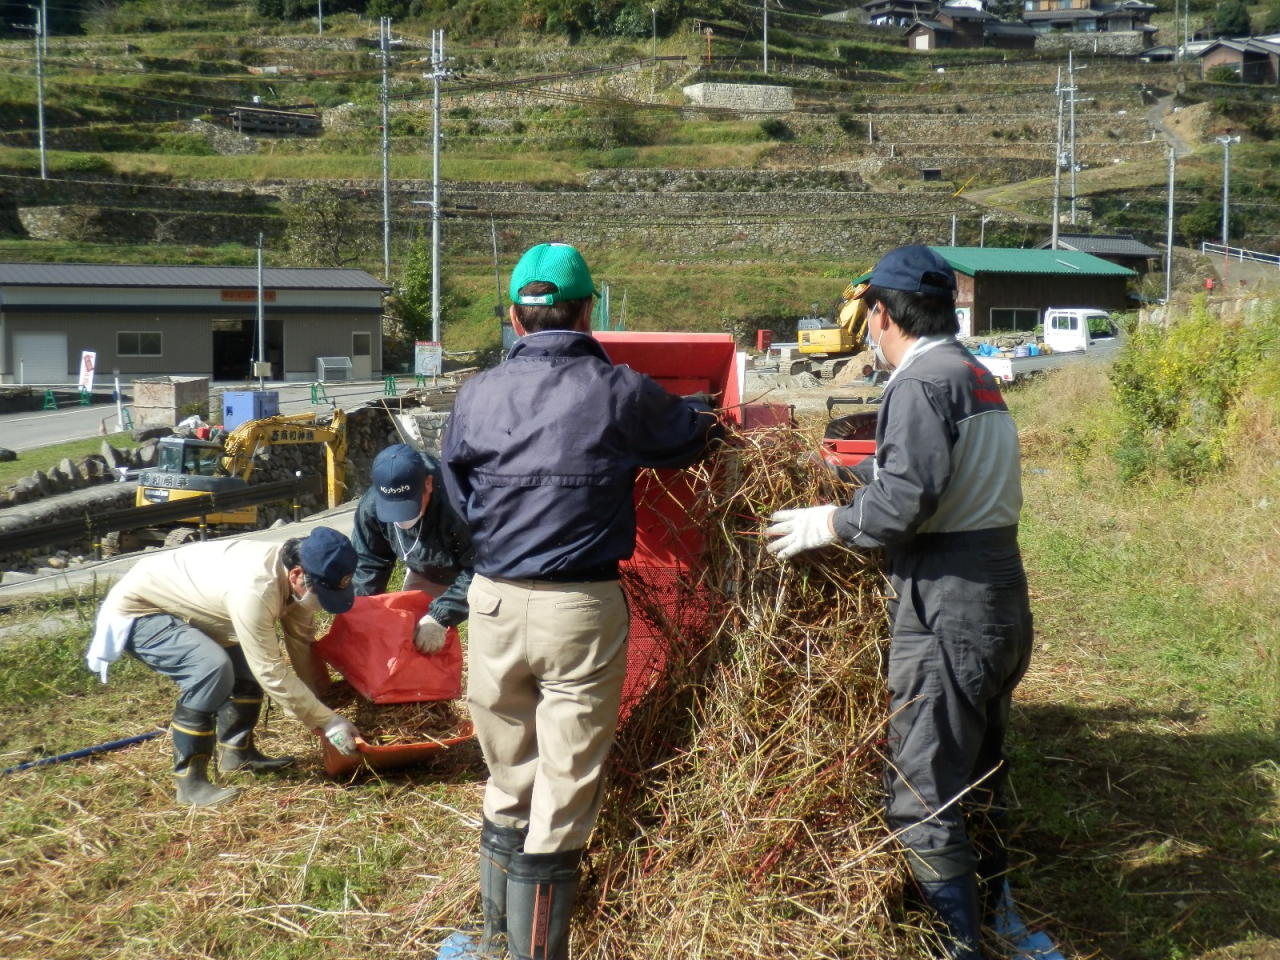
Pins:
x: 742, y: 819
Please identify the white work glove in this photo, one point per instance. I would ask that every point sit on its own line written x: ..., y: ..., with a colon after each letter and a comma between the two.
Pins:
x: 800, y: 530
x: 429, y: 637
x: 342, y: 733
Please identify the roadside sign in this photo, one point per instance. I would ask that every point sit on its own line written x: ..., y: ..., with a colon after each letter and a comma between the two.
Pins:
x: 428, y: 358
x: 88, y: 360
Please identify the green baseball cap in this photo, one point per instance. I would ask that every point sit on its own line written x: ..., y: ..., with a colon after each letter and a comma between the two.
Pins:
x: 556, y: 263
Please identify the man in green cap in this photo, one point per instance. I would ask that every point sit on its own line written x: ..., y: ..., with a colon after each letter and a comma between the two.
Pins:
x: 539, y: 458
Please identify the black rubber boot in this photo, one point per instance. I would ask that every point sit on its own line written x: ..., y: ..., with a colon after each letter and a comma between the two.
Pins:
x: 542, y: 889
x: 192, y: 733
x: 956, y: 904
x: 236, y: 719
x: 497, y: 844
x: 991, y: 829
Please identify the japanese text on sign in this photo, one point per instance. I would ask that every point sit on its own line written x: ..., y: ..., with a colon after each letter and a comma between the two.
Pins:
x: 287, y: 436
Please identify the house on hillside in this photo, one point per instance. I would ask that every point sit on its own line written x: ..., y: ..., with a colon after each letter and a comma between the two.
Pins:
x: 1003, y: 289
x: 960, y: 25
x: 1254, y: 59
x: 199, y: 321
x: 1090, y: 16
x: 1126, y: 251
x: 896, y: 13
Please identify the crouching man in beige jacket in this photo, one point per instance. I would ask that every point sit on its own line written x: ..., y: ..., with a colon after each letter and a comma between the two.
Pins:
x: 205, y: 615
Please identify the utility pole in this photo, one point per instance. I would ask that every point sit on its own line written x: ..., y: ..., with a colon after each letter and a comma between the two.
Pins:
x: 1168, y: 235
x: 262, y: 321
x: 1071, y: 88
x: 654, y: 11
x: 320, y: 16
x: 38, y: 33
x: 497, y: 277
x: 384, y: 40
x: 1057, y: 169
x: 1226, y: 194
x: 438, y: 72
x: 44, y: 26
x: 765, y: 6
x: 953, y: 229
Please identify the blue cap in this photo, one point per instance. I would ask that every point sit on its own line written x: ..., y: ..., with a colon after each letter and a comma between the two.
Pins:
x: 329, y: 560
x: 399, y: 478
x: 915, y: 269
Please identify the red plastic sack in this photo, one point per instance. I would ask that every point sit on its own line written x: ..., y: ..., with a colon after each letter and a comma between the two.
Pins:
x: 372, y: 646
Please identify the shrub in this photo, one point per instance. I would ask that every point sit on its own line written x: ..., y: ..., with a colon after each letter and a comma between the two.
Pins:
x: 1222, y: 73
x: 776, y: 129
x: 1178, y: 390
x: 88, y: 163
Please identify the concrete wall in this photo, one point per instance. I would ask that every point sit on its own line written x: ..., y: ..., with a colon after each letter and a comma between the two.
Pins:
x: 748, y: 97
x: 1121, y: 44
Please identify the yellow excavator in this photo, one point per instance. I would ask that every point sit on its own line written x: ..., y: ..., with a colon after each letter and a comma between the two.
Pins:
x: 829, y: 343
x: 187, y: 467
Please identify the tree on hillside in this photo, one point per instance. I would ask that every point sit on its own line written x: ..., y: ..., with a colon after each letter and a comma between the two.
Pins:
x: 1270, y: 21
x: 1204, y: 222
x: 1232, y: 20
x: 324, y: 229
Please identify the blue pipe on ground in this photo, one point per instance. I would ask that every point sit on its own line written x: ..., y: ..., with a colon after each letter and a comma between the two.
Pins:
x: 86, y: 752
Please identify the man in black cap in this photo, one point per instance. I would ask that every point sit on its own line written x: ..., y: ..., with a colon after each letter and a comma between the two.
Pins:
x: 405, y: 516
x: 205, y: 616
x: 942, y: 498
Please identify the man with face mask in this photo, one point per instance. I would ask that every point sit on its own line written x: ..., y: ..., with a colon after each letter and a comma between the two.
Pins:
x: 942, y: 498
x: 205, y: 616
x: 405, y: 516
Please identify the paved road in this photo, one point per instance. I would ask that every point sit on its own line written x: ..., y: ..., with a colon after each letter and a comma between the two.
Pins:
x: 27, y: 431
x: 1156, y: 115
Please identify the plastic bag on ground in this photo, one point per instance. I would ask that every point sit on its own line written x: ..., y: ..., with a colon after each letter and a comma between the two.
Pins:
x: 371, y: 645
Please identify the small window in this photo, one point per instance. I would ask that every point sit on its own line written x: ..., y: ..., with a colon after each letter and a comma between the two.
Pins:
x: 361, y: 345
x: 145, y: 344
x: 1066, y: 321
x: 1013, y: 318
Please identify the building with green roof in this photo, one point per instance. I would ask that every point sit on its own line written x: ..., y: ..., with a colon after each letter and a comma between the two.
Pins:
x: 1006, y: 289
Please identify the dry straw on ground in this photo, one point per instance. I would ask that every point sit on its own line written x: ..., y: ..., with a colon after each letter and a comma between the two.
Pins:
x: 743, y: 812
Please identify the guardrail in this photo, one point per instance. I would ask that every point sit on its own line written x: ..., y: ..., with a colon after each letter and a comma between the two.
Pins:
x: 93, y: 526
x: 1239, y: 254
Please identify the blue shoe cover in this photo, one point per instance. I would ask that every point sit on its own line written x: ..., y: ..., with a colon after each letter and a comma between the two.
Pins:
x: 1008, y: 923
x: 460, y: 946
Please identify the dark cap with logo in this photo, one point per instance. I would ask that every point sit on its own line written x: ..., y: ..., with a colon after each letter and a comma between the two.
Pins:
x: 914, y: 269
x: 399, y: 478
x: 329, y: 560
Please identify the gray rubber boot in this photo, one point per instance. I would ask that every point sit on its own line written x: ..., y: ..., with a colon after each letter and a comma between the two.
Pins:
x: 236, y: 719
x: 497, y: 845
x: 193, y: 737
x: 542, y: 889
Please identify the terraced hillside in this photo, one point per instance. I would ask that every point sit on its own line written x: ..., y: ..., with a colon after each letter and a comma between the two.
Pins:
x: 592, y: 141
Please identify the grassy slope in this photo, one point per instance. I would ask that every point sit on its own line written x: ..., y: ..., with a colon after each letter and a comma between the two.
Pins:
x: 1146, y: 734
x: 47, y: 457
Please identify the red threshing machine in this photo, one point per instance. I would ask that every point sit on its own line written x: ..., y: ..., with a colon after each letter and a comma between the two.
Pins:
x: 669, y: 554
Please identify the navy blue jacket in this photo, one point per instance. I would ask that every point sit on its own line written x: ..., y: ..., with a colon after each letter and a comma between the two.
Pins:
x: 438, y: 547
x: 541, y: 452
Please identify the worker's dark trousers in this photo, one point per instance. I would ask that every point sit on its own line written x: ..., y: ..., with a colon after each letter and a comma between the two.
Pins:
x: 204, y: 670
x: 962, y: 634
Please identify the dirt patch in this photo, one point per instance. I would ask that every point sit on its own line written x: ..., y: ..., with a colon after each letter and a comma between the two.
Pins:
x: 1195, y: 124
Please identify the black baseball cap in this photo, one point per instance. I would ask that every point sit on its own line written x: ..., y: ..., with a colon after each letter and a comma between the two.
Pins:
x: 914, y: 269
x: 329, y: 560
x: 399, y: 478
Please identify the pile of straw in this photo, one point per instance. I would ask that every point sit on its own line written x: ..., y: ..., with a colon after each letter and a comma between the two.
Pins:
x: 397, y: 723
x: 743, y: 815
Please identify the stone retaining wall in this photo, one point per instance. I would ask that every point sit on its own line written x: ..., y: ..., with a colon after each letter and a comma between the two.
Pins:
x: 748, y: 97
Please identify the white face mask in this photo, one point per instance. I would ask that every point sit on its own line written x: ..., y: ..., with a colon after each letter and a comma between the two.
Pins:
x: 876, y: 347
x: 410, y: 524
x: 310, y: 601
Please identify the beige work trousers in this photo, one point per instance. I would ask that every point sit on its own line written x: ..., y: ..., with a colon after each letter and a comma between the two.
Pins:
x: 545, y: 665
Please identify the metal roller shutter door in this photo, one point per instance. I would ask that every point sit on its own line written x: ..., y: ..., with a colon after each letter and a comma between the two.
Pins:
x: 43, y: 356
